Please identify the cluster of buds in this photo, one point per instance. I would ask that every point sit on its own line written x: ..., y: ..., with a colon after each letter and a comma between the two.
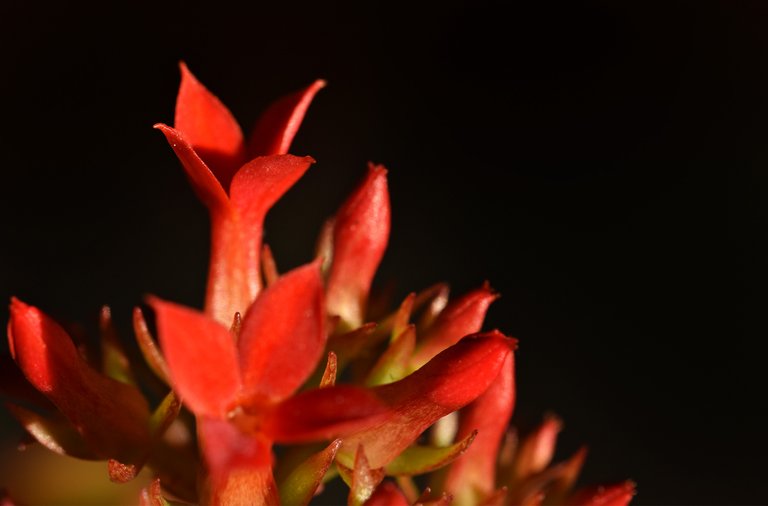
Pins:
x: 282, y: 383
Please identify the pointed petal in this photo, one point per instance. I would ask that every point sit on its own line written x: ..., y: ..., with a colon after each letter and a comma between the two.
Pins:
x: 256, y: 187
x: 276, y: 128
x: 619, y: 494
x: 209, y: 127
x: 152, y: 355
x: 461, y: 317
x: 423, y: 459
x: 283, y: 336
x: 473, y: 477
x: 201, y: 357
x: 448, y: 382
x: 300, y: 486
x: 111, y: 416
x: 387, y: 494
x: 323, y: 413
x: 360, y: 237
x: 207, y: 187
x: 56, y: 435
x: 238, y: 465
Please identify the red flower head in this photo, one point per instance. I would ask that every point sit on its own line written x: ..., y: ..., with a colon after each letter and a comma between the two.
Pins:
x: 238, y: 182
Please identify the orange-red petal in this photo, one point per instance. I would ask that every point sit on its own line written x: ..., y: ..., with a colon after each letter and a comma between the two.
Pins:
x: 201, y: 357
x: 323, y: 413
x: 209, y: 127
x: 254, y: 190
x: 277, y: 126
x: 448, y: 382
x: 461, y: 317
x: 283, y: 336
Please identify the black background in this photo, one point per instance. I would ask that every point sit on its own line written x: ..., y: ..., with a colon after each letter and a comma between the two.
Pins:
x: 602, y: 163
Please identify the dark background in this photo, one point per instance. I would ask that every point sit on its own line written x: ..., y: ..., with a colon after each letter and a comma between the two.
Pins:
x: 602, y: 163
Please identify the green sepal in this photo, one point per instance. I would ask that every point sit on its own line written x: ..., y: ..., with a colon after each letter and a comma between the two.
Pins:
x: 423, y: 459
x: 301, y: 484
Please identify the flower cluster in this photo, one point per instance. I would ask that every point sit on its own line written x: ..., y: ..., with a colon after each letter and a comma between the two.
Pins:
x: 282, y: 384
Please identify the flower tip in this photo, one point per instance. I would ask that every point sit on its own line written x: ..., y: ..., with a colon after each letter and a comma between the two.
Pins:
x: 376, y: 169
x: 17, y: 306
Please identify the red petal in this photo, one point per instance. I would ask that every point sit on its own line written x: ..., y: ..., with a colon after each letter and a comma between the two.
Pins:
x: 255, y: 189
x: 283, y: 336
x: 209, y: 127
x: 239, y: 465
x: 448, y: 382
x: 111, y: 416
x: 387, y: 494
x: 323, y: 413
x: 475, y: 472
x: 276, y: 128
x: 361, y: 232
x: 204, y: 182
x: 201, y: 357
x: 461, y: 317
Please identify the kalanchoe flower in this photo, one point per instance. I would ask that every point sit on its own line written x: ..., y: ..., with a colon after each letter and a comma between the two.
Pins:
x: 238, y: 192
x: 291, y: 361
x: 241, y: 387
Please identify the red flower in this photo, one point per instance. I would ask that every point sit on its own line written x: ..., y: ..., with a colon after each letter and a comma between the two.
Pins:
x: 238, y: 192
